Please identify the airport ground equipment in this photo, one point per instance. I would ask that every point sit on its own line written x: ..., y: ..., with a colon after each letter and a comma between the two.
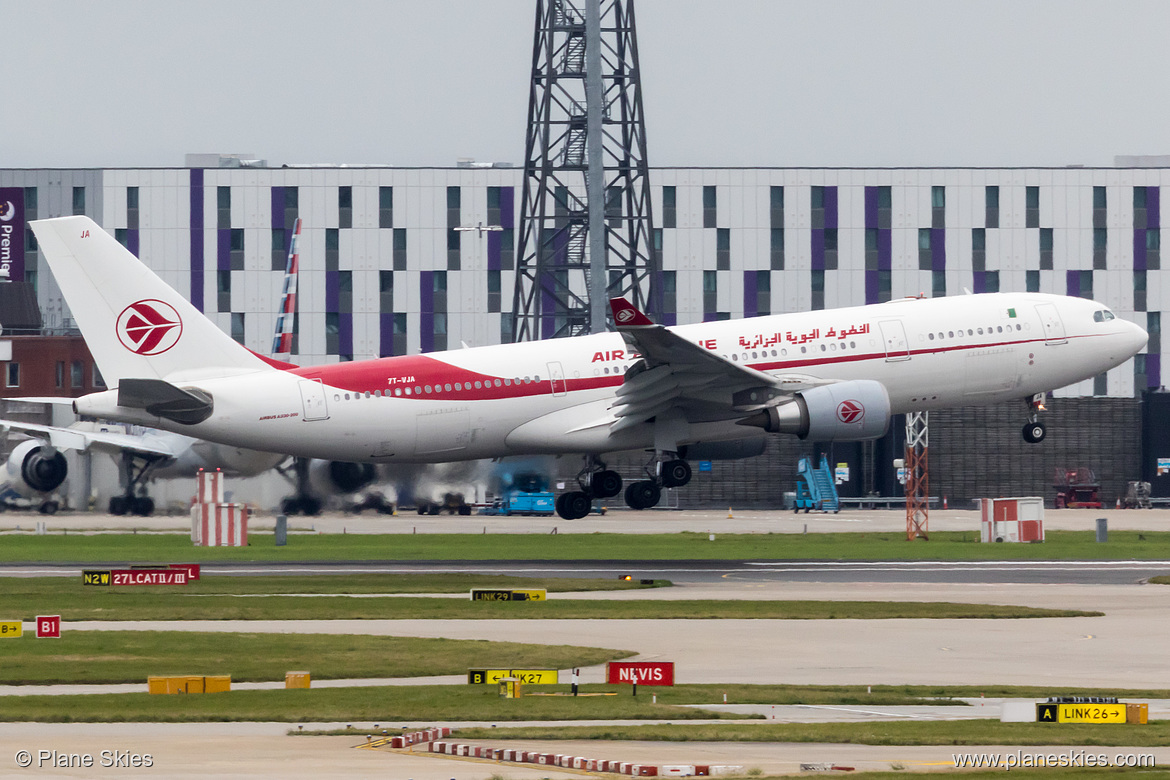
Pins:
x: 815, y: 488
x: 1077, y: 488
x: 1137, y: 496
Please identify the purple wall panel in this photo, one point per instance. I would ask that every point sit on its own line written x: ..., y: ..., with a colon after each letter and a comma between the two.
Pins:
x: 938, y: 249
x: 830, y: 207
x: 871, y: 207
x: 750, y: 294
x: 818, y: 249
x: 1153, y: 370
x: 978, y: 282
x: 223, y: 249
x: 426, y: 317
x: 507, y: 207
x: 871, y: 287
x: 1073, y: 283
x: 494, y: 250
x: 132, y: 241
x: 1139, y: 249
x: 385, y: 335
x: 196, y: 295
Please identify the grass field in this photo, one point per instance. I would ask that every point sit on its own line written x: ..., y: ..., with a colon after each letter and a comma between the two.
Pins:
x: 966, y: 732
x: 132, y: 656
x: 381, y: 704
x: 244, y: 598
x: 943, y: 546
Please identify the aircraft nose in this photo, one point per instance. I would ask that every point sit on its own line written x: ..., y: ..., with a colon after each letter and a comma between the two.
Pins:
x: 1136, y: 337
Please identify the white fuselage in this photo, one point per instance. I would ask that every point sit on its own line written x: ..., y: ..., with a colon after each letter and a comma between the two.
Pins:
x: 552, y: 397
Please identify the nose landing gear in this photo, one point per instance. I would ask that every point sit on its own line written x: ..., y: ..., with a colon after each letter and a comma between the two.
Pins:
x: 1034, y: 430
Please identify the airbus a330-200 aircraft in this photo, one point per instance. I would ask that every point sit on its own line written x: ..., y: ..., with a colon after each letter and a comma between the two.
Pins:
x: 828, y: 375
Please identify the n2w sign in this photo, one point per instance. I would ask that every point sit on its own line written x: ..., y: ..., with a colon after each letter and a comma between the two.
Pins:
x: 640, y: 673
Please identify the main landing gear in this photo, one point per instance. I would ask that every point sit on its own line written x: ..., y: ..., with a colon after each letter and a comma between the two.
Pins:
x: 596, y: 481
x: 134, y: 501
x: 1034, y: 431
x: 670, y: 473
x: 303, y: 502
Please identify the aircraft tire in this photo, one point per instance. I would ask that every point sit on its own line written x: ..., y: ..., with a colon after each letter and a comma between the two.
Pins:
x: 118, y: 505
x: 143, y: 506
x: 606, y: 484
x: 642, y: 495
x: 1034, y: 432
x: 675, y: 473
x: 49, y: 508
x: 310, y: 506
x: 290, y: 506
x: 576, y: 505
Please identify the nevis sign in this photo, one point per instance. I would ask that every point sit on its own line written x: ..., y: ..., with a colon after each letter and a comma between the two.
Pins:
x: 640, y: 672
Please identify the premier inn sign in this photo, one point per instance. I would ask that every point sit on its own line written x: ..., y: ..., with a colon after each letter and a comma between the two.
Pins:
x: 11, y: 234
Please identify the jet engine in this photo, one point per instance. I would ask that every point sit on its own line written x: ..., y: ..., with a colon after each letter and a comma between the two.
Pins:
x: 32, y: 469
x: 844, y: 411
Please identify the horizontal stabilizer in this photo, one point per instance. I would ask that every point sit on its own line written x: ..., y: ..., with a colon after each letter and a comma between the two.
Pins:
x: 184, y: 405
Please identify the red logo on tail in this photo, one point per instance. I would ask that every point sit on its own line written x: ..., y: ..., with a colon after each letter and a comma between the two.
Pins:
x: 850, y: 412
x: 149, y: 327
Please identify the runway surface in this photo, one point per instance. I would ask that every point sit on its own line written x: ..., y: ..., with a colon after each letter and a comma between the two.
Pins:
x: 1124, y: 648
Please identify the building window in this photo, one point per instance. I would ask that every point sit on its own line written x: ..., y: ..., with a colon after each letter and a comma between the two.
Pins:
x: 1099, y: 205
x: 978, y: 249
x: 279, y: 251
x: 1032, y: 207
x: 223, y: 289
x: 669, y: 292
x: 132, y: 208
x: 12, y: 375
x: 668, y: 207
x: 709, y: 201
x: 79, y: 200
x: 493, y: 205
x: 223, y: 207
x: 817, y: 194
x: 453, y: 243
x: 1153, y: 249
x: 98, y: 381
x: 1139, y: 290
x: 723, y: 249
x: 237, y: 249
x: 76, y: 375
x: 830, y: 249
x: 440, y: 330
x: 991, y: 207
x: 399, y: 249
x: 454, y: 200
x: 345, y: 207
x: 1045, y: 249
x: 493, y: 291
x: 818, y: 290
x: 776, y: 206
x: 763, y: 292
x: 121, y: 235
x: 332, y: 332
x: 990, y: 282
x: 1100, y: 247
x: 385, y: 207
x: 60, y: 373
x: 885, y: 205
x: 924, y: 256
x: 1032, y: 281
x: 238, y: 326
x: 777, y: 249
x: 710, y: 292
x: 938, y: 206
x: 386, y: 291
x: 871, y: 249
x: 508, y: 247
x: 938, y: 284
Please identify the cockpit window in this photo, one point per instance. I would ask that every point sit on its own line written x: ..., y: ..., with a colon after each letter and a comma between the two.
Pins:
x: 1102, y: 315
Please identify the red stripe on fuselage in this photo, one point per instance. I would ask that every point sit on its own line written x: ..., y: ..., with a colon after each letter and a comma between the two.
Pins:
x: 419, y: 371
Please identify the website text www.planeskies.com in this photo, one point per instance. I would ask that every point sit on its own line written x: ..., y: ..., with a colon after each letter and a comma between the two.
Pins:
x: 1074, y: 757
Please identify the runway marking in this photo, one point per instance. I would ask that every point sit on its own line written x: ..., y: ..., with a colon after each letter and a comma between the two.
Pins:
x: 864, y: 712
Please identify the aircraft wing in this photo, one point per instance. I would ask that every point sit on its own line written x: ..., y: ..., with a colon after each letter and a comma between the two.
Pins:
x: 82, y: 440
x: 676, y: 373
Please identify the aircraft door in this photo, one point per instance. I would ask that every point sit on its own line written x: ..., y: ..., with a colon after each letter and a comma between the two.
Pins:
x: 313, y: 400
x: 556, y: 375
x: 1052, y: 323
x: 894, y: 339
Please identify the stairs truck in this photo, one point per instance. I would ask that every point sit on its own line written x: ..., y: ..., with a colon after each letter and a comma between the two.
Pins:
x: 815, y: 488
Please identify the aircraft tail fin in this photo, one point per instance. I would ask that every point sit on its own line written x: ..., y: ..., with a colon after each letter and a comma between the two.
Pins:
x: 135, y: 324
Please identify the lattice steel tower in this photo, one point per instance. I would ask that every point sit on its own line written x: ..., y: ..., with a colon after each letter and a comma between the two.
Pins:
x: 585, y: 226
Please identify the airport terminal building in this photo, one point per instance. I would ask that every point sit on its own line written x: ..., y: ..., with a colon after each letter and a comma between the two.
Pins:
x: 405, y: 260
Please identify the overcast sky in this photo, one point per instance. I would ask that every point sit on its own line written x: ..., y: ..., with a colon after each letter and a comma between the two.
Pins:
x: 727, y: 82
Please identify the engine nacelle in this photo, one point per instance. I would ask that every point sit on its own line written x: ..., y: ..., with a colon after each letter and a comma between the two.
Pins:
x: 33, y: 468
x: 844, y: 411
